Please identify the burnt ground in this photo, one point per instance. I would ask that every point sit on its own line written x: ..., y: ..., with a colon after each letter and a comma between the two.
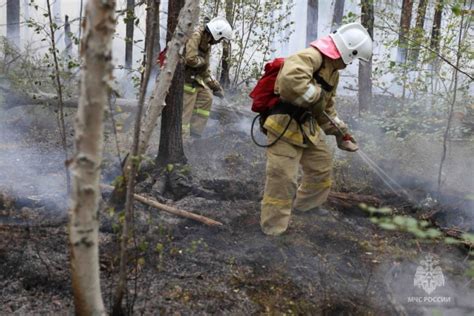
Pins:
x: 337, y: 263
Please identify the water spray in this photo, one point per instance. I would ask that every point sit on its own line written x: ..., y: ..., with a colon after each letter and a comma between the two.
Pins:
x: 386, y: 179
x: 229, y: 107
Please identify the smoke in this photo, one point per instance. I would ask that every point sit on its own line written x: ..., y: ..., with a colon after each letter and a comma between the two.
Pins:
x: 411, y: 153
x: 31, y: 166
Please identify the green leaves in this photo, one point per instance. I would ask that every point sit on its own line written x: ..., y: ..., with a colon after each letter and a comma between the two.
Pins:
x: 388, y: 226
x: 456, y: 9
x: 470, y: 197
x: 468, y: 238
x: 419, y: 228
x: 373, y: 210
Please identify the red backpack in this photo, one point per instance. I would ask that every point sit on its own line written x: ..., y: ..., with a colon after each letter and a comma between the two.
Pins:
x: 263, y: 95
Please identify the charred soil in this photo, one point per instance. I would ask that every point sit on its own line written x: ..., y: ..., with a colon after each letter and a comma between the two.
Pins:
x: 334, y: 263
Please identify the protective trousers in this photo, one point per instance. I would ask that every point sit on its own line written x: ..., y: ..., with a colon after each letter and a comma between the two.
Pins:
x: 197, y: 102
x: 283, y: 160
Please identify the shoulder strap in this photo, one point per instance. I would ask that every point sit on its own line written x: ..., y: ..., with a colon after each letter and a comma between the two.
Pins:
x: 326, y: 86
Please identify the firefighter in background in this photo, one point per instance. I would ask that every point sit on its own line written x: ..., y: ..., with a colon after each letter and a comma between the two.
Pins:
x: 306, y: 85
x: 199, y: 85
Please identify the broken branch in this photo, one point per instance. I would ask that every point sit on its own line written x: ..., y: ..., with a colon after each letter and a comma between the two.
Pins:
x: 170, y: 209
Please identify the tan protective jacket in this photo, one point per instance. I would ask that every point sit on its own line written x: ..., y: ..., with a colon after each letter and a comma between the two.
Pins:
x: 296, y: 84
x: 198, y: 54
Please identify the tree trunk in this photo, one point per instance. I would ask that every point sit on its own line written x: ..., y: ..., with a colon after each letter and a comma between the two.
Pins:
x: 171, y: 141
x: 67, y: 37
x: 59, y: 89
x: 147, y: 64
x: 312, y: 21
x: 96, y: 51
x: 226, y: 47
x: 130, y: 18
x: 337, y: 14
x: 419, y: 30
x: 13, y: 22
x: 187, y: 19
x: 435, y: 32
x: 81, y: 19
x: 365, y: 68
x: 453, y: 102
x: 157, y: 39
x: 405, y: 22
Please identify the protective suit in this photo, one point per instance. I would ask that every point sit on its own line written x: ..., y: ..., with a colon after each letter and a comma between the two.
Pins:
x: 306, y: 84
x: 199, y: 84
x: 197, y: 99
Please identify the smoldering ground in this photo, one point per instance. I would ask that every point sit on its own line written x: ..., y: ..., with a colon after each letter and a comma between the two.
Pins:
x: 406, y: 141
x: 334, y: 263
x: 31, y: 162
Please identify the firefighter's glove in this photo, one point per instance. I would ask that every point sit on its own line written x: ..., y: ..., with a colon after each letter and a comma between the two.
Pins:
x: 319, y: 106
x: 216, y: 88
x: 219, y: 93
x: 334, y: 129
x: 346, y: 142
x: 213, y: 84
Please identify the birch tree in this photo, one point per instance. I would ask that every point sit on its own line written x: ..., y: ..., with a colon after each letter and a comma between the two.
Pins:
x: 96, y: 74
x: 13, y: 22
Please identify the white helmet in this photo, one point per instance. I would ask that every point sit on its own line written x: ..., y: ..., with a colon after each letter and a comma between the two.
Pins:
x: 219, y: 28
x: 353, y: 41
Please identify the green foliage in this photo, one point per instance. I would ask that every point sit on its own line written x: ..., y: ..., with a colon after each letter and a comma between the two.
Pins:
x: 143, y: 246
x: 423, y: 74
x: 196, y: 245
x: 419, y: 118
x: 420, y: 229
x: 456, y: 9
x: 373, y: 210
x: 26, y: 69
x: 350, y: 17
x: 119, y: 181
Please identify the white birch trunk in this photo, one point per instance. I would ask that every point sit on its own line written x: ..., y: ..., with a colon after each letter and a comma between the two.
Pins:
x: 96, y: 54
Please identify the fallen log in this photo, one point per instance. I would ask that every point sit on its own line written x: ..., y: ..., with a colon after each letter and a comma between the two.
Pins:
x: 170, y: 209
x: 352, y: 199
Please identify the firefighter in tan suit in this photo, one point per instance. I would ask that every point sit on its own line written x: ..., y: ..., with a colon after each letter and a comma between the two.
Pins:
x: 199, y: 85
x: 307, y: 84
